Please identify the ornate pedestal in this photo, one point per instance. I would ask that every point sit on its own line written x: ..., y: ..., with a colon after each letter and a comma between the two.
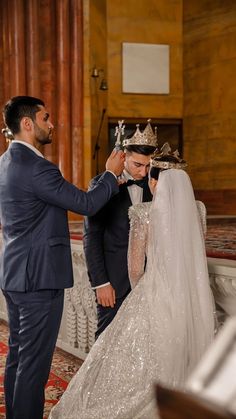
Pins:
x: 222, y: 273
x: 79, y: 320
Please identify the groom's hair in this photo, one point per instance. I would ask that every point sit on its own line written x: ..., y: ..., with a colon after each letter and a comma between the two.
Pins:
x: 17, y: 108
x: 147, y: 150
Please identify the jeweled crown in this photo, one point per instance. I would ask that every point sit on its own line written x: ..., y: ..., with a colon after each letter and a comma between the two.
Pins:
x: 162, y: 159
x: 145, y: 138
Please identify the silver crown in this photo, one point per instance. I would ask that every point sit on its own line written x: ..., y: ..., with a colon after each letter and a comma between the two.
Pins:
x: 145, y: 138
x: 158, y: 159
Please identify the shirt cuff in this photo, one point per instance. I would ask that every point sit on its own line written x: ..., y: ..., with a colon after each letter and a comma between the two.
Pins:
x: 101, y: 286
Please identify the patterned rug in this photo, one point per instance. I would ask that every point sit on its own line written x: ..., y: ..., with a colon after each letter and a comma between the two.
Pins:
x: 221, y: 238
x: 64, y: 367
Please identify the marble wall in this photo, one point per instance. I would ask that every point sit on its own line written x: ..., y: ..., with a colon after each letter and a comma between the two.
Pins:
x: 65, y: 40
x: 209, y: 109
x: 201, y: 36
x: 152, y: 22
x: 41, y: 50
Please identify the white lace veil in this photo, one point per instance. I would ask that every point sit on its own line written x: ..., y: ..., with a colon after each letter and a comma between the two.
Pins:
x: 178, y: 277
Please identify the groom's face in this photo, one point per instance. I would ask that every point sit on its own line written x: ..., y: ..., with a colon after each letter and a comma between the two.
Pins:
x: 137, y: 165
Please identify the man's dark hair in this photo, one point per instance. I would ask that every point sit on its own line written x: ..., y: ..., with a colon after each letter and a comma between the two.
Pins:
x: 17, y: 108
x: 140, y: 149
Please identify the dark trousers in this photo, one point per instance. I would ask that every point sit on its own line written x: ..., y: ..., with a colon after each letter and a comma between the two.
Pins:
x: 34, y: 321
x: 106, y: 314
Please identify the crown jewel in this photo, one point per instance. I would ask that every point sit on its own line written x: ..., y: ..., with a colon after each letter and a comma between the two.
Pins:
x: 162, y: 160
x: 146, y: 138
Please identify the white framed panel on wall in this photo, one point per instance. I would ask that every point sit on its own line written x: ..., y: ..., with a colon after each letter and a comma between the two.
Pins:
x: 145, y: 68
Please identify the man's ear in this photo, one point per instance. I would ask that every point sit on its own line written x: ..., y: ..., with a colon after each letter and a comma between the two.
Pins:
x: 26, y: 124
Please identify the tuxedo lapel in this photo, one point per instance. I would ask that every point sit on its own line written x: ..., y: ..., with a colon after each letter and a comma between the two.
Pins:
x: 124, y: 194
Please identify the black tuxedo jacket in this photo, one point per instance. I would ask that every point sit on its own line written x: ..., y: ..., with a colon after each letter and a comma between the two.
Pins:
x: 106, y: 237
x: 34, y: 199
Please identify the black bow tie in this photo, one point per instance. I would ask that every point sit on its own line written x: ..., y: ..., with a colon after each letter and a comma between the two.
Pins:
x: 138, y: 182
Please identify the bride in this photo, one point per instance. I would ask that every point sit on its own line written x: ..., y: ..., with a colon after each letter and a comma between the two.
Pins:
x: 166, y: 323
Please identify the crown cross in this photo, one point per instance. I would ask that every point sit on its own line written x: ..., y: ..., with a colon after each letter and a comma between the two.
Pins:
x: 120, y: 129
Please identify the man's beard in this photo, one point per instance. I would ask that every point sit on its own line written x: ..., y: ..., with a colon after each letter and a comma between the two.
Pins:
x: 42, y: 136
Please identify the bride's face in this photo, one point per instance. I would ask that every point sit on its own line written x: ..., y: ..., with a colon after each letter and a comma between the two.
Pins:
x: 152, y: 184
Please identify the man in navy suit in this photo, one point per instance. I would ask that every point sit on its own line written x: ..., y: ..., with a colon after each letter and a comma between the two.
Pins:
x: 106, y: 234
x: 36, y: 264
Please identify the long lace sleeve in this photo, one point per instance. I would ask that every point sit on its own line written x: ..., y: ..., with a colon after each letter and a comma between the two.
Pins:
x: 202, y: 214
x: 139, y: 216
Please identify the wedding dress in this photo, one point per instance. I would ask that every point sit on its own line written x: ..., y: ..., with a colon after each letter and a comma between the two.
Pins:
x: 164, y: 325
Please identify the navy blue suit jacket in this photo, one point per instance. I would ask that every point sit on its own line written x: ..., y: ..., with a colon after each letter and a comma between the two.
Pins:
x: 106, y: 237
x: 34, y: 199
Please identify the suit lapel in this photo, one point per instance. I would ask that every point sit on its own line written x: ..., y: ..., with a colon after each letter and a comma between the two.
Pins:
x: 147, y: 196
x: 124, y: 194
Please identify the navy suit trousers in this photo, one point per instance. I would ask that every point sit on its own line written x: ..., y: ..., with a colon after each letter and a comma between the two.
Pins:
x: 34, y: 321
x: 107, y: 314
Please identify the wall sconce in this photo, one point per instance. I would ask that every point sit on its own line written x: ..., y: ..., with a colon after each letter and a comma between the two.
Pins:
x: 95, y: 73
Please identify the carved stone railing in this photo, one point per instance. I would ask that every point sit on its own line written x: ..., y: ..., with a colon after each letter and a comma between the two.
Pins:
x: 79, y: 322
x: 79, y: 318
x: 222, y: 273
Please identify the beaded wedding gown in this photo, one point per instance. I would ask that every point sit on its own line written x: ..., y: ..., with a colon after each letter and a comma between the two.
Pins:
x: 164, y: 325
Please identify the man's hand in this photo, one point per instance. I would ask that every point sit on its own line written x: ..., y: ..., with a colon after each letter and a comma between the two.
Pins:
x: 115, y: 162
x: 106, y: 296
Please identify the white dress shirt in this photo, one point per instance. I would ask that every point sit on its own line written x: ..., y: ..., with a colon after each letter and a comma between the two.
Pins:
x: 135, y: 191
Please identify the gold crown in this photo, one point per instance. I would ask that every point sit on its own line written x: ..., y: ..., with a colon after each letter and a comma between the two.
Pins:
x: 145, y: 138
x: 158, y: 159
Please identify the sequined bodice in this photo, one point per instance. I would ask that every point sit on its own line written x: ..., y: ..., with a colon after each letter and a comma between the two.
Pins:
x: 139, y: 220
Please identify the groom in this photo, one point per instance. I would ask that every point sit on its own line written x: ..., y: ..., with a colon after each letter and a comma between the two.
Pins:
x: 35, y: 264
x: 106, y: 234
